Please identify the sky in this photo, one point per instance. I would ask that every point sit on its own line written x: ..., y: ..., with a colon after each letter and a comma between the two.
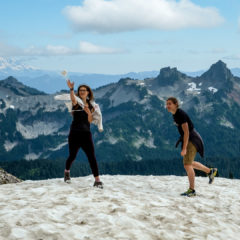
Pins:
x: 120, y: 36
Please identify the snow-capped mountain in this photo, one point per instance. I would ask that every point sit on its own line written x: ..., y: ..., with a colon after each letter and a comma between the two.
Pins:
x: 10, y: 65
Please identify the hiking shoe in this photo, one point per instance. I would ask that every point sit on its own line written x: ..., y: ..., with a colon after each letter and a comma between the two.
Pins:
x: 67, y: 178
x: 212, y: 174
x: 98, y: 184
x: 189, y: 193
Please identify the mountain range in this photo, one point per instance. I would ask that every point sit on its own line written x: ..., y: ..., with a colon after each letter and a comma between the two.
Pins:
x: 137, y: 127
x: 52, y: 81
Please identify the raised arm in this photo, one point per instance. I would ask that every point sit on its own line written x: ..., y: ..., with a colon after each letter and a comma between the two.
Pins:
x: 72, y: 95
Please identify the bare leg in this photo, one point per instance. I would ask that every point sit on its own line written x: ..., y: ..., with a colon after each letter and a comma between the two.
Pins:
x: 191, y: 175
x: 199, y: 166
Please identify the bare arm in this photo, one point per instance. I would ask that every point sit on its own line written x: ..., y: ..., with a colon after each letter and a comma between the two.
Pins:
x: 185, y: 138
x: 89, y: 113
x: 72, y: 95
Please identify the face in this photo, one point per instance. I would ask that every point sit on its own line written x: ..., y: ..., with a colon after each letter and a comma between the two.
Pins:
x: 83, y: 92
x: 171, y: 107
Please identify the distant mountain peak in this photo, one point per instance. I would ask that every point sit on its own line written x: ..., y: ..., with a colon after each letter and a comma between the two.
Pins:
x: 218, y: 72
x: 12, y: 80
x: 14, y: 65
x: 19, y: 88
x: 168, y: 76
x: 220, y: 62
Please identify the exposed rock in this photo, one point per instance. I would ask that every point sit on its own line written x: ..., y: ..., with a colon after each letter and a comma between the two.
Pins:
x: 8, y: 178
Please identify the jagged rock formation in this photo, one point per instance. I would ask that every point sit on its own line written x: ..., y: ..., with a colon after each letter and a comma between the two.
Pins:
x: 6, y: 178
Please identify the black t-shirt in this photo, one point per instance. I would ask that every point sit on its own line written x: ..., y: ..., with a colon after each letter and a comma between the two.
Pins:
x: 181, y: 117
x: 80, y: 119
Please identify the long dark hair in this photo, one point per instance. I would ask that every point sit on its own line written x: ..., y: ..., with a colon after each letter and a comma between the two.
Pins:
x: 90, y: 96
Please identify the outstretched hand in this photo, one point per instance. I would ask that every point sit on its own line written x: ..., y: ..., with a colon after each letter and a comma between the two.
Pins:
x: 70, y: 84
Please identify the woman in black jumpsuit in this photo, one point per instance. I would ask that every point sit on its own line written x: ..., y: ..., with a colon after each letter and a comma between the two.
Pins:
x: 80, y: 135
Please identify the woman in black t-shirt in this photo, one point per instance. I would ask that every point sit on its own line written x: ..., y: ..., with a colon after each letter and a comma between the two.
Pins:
x: 80, y: 135
x: 191, y: 144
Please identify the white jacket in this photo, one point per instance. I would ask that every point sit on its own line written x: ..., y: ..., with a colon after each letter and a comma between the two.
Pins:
x: 97, y: 115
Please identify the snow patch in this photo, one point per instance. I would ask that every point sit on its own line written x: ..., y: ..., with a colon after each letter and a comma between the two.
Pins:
x: 32, y: 156
x: 99, y: 142
x: 112, y: 140
x: 149, y: 92
x: 212, y: 89
x: 224, y: 122
x: 140, y: 83
x: 138, y: 158
x: 148, y: 142
x: 193, y: 88
x: 138, y: 142
x: 144, y: 100
x: 59, y: 146
x: 130, y: 207
x: 38, y: 128
x: 138, y: 129
x: 9, y: 145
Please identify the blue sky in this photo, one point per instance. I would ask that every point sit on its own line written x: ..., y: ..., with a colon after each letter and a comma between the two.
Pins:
x: 120, y: 36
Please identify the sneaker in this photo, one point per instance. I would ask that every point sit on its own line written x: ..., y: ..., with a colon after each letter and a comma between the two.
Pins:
x: 189, y: 193
x: 212, y: 174
x: 67, y: 178
x: 98, y: 184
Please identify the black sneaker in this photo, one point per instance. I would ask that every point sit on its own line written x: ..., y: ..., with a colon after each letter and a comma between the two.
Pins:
x: 189, y: 193
x: 212, y: 174
x: 67, y: 178
x: 98, y: 184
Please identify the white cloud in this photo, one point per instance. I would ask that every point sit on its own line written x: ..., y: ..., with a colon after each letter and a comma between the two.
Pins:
x: 106, y: 16
x: 56, y: 50
x: 232, y: 57
x: 60, y: 50
x: 89, y: 48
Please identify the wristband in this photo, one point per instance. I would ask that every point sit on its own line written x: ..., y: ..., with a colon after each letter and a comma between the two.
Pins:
x: 71, y: 89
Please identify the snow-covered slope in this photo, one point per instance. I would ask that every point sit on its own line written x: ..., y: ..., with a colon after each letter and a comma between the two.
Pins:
x: 129, y: 207
x: 8, y: 65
